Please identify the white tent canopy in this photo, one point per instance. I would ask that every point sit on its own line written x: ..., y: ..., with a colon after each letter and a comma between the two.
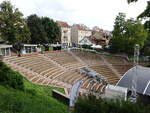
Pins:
x: 143, y: 79
x: 96, y: 46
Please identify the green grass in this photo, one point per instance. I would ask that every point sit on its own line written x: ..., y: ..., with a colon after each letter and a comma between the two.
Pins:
x: 34, y: 99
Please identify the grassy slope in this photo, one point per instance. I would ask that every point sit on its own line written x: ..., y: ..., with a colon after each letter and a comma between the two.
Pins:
x: 35, y: 99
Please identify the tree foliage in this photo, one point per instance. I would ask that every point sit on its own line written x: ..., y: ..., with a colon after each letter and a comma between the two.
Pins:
x: 52, y: 30
x: 129, y: 1
x: 13, y: 27
x: 43, y: 30
x: 126, y: 34
x: 38, y: 34
x: 146, y: 16
x: 18, y: 47
x: 90, y: 104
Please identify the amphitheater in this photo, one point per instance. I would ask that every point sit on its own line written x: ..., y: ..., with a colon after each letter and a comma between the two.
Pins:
x: 62, y: 68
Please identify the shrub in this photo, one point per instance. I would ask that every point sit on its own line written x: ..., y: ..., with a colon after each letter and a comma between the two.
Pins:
x: 10, y: 103
x: 89, y: 104
x: 86, y: 46
x: 31, y: 91
x: 10, y: 78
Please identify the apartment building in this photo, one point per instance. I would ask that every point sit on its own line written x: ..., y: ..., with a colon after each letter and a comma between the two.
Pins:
x: 65, y: 33
x: 78, y: 32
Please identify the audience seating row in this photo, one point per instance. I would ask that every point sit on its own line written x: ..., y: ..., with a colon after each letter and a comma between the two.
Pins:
x: 88, y: 57
x: 65, y: 59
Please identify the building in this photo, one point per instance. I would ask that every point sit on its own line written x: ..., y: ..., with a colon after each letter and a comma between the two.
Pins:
x: 107, y: 34
x: 86, y: 41
x: 29, y: 48
x: 5, y: 50
x: 78, y: 32
x: 97, y: 38
x: 65, y: 33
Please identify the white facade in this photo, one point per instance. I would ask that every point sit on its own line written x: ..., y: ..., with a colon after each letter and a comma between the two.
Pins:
x: 85, y: 41
x: 77, y: 34
x: 82, y: 34
x: 29, y: 48
x: 66, y: 36
x: 5, y: 50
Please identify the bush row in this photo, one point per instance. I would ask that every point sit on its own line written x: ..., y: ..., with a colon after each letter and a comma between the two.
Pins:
x: 92, y: 105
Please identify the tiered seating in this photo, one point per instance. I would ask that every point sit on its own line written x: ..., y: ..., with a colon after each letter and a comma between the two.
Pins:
x: 88, y: 57
x: 115, y: 60
x: 122, y: 68
x: 65, y: 59
x: 73, y: 76
x: 106, y: 72
x: 30, y: 76
x: 37, y: 64
x: 50, y: 68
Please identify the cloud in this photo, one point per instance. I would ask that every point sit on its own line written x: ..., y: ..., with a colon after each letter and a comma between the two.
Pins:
x: 90, y: 12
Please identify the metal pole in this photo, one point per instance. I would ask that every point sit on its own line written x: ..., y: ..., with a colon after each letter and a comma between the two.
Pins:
x: 134, y: 79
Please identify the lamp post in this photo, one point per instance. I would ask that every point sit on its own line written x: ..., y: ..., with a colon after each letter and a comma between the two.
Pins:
x: 134, y: 79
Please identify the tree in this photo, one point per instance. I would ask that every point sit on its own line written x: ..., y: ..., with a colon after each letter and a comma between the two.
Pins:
x: 129, y: 1
x: 135, y: 34
x: 38, y: 34
x: 13, y: 27
x: 18, y: 47
x: 126, y: 34
x: 117, y: 41
x: 92, y: 104
x: 146, y: 16
x: 52, y: 30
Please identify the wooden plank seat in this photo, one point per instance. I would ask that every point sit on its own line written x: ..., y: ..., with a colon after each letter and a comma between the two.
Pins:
x: 65, y: 75
x: 35, y: 79
x: 122, y: 68
x: 29, y: 76
x: 54, y: 73
x: 102, y: 88
x: 89, y: 58
x: 76, y: 78
x: 27, y: 59
x: 63, y: 58
x: 67, y: 78
x: 86, y: 82
x: 39, y: 65
x: 73, y: 65
x: 106, y: 72
x: 73, y: 78
x: 115, y: 59
x: 18, y: 59
x: 93, y: 87
x: 40, y: 81
x: 48, y: 70
x: 40, y: 69
x: 46, y: 81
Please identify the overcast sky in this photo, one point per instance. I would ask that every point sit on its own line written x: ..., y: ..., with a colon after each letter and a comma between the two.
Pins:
x: 100, y: 13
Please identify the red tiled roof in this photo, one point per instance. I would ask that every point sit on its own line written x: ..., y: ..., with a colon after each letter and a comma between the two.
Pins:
x: 63, y: 24
x: 101, y: 41
x: 81, y: 27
